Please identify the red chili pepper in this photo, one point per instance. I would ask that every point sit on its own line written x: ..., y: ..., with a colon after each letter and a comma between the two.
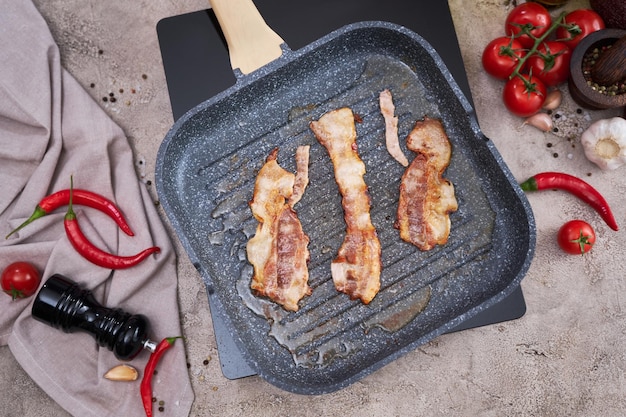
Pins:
x: 81, y: 197
x: 148, y: 373
x: 575, y: 186
x: 94, y: 254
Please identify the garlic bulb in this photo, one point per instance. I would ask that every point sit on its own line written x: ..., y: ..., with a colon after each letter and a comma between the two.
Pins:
x: 604, y: 143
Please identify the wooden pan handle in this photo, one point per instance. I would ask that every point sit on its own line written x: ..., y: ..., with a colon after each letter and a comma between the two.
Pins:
x: 251, y: 42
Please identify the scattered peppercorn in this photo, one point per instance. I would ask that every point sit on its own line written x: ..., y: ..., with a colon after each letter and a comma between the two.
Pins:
x: 161, y: 409
x: 144, y: 76
x: 121, y: 90
x: 556, y: 155
x: 113, y: 99
x: 100, y: 51
x: 111, y: 94
x: 105, y: 98
x: 92, y: 85
x: 549, y: 144
x: 205, y: 362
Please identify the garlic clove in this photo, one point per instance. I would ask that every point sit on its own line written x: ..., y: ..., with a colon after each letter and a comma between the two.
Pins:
x: 553, y: 100
x: 541, y: 121
x: 122, y: 373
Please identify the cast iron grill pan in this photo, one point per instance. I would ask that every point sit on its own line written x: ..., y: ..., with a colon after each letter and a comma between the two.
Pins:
x: 207, y: 165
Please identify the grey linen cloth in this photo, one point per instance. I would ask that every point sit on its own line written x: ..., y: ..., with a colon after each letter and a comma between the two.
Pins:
x: 51, y: 129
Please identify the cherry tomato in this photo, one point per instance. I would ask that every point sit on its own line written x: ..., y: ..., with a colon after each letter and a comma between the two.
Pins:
x: 20, y: 280
x: 531, y: 15
x: 501, y: 56
x: 576, y: 237
x: 523, y: 100
x: 551, y: 63
x: 582, y: 22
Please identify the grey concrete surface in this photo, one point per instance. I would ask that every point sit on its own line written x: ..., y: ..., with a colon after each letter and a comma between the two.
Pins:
x: 565, y: 357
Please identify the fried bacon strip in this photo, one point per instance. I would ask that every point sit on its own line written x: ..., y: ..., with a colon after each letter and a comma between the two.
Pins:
x: 279, y: 249
x: 392, y: 142
x: 426, y: 198
x: 302, y: 174
x: 356, y: 269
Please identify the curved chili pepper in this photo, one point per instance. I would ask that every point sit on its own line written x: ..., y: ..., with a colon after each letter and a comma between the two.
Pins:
x: 93, y: 253
x: 575, y: 186
x: 82, y: 198
x: 148, y: 373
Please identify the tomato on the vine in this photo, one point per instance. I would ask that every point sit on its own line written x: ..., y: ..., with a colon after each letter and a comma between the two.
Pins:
x: 551, y: 62
x: 501, y: 56
x: 576, y: 237
x: 524, y: 95
x: 20, y: 280
x: 582, y: 22
x: 532, y: 17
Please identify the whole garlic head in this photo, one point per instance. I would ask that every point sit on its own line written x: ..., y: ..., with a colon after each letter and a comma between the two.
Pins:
x: 604, y: 143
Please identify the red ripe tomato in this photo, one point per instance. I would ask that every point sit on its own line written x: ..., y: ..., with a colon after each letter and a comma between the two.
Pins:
x: 576, y: 237
x: 581, y: 23
x: 551, y: 63
x: 20, y: 280
x: 501, y: 56
x: 531, y: 15
x: 524, y: 95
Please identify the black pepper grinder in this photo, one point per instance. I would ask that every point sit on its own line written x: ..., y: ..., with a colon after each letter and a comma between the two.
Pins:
x: 63, y: 304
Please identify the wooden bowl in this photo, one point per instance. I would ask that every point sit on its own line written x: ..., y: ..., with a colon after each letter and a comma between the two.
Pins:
x: 580, y: 91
